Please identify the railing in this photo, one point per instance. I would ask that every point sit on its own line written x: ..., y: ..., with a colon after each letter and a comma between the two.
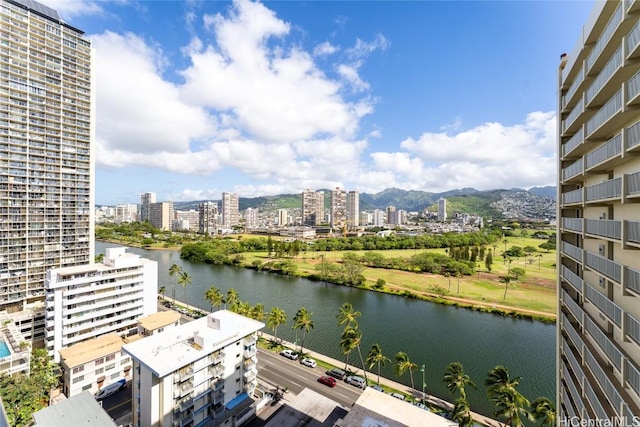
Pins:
x: 607, y: 111
x: 633, y: 87
x: 573, y: 391
x: 572, y: 251
x: 609, y: 228
x: 632, y: 327
x: 573, y: 307
x: 610, y: 391
x: 632, y: 137
x: 633, y: 38
x: 574, y: 196
x: 573, y: 115
x: 572, y: 170
x: 604, y: 266
x: 612, y: 311
x: 607, y: 190
x: 574, y: 86
x: 632, y: 376
x: 615, y: 20
x: 573, y: 362
x: 573, y: 224
x: 633, y: 184
x: 594, y: 401
x: 606, y: 151
x: 632, y: 279
x: 572, y: 333
x: 570, y: 411
x: 573, y: 279
x: 633, y: 231
x: 603, y: 341
x: 605, y: 74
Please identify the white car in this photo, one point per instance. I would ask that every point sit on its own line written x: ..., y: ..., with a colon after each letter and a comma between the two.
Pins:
x: 356, y: 381
x: 289, y: 354
x: 309, y: 362
x: 110, y: 389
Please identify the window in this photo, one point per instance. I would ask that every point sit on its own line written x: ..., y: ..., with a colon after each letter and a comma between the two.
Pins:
x: 110, y: 367
x: 110, y: 357
x: 125, y: 361
x: 99, y: 361
x: 78, y: 379
x: 86, y: 387
x: 99, y: 371
x: 114, y: 376
x: 78, y: 369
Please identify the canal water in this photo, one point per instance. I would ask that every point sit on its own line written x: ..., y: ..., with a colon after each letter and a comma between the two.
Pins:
x: 430, y: 334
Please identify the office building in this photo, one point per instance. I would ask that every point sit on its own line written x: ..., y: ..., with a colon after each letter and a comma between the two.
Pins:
x: 46, y: 130
x: 161, y: 215
x: 442, y: 210
x: 251, y: 219
x: 125, y: 213
x: 90, y: 300
x: 378, y: 218
x: 353, y: 210
x: 312, y: 207
x: 392, y: 218
x: 200, y: 373
x: 599, y: 225
x: 146, y: 200
x: 283, y: 217
x: 230, y: 210
x: 208, y: 218
x: 339, y: 210
x: 187, y: 220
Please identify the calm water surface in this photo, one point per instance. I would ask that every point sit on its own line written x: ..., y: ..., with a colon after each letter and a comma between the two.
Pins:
x: 431, y: 334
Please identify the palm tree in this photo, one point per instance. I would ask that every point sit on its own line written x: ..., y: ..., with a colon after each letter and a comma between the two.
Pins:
x: 275, y: 318
x: 162, y: 290
x: 257, y: 312
x: 375, y: 357
x: 507, y: 280
x: 456, y: 379
x: 174, y: 271
x: 233, y: 299
x: 184, y: 280
x: 502, y: 392
x: 462, y: 413
x: 347, y: 315
x: 348, y: 344
x: 302, y: 320
x: 543, y: 410
x: 403, y: 364
x: 214, y: 297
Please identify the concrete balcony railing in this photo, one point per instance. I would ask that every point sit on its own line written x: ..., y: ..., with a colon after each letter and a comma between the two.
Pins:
x: 611, y: 189
x: 573, y: 307
x: 573, y: 197
x: 572, y: 251
x: 605, y: 343
x: 572, y: 279
x: 632, y: 279
x: 615, y: 62
x: 604, y: 266
x: 610, y: 149
x: 572, y: 224
x: 608, y: 110
x: 607, y: 228
x: 616, y: 19
x: 573, y: 170
x: 607, y: 307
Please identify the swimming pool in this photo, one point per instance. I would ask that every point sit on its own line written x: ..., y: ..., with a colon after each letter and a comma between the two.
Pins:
x: 4, y: 350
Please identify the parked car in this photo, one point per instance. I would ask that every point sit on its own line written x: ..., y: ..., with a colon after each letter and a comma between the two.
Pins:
x: 327, y: 380
x: 356, y: 381
x: 421, y: 405
x: 110, y: 389
x: 289, y: 354
x: 337, y: 373
x: 398, y: 395
x: 377, y: 387
x: 309, y: 362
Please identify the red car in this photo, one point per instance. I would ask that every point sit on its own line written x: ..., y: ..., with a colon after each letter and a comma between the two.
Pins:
x: 326, y: 380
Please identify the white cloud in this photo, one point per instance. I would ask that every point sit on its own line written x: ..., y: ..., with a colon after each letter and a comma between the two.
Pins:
x: 324, y: 49
x: 363, y: 48
x: 72, y: 8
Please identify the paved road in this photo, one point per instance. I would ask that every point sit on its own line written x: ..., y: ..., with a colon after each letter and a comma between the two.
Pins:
x: 278, y: 370
x: 118, y: 406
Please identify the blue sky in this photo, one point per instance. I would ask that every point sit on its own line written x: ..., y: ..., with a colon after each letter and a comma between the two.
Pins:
x: 198, y: 97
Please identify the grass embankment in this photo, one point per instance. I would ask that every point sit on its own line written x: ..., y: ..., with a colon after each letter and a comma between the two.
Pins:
x: 530, y: 296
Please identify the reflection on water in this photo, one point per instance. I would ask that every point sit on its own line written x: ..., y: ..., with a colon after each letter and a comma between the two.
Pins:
x: 431, y: 334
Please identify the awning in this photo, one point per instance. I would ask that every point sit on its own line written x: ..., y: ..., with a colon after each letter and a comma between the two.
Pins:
x: 101, y: 379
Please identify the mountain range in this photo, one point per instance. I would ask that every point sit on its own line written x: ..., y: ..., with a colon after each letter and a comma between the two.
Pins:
x: 537, y: 202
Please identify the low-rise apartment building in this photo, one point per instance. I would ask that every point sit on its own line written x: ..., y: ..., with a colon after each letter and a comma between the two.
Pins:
x: 85, y: 302
x: 199, y: 373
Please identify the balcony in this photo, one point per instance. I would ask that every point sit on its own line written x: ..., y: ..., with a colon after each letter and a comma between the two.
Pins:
x: 606, y: 191
x: 250, y: 352
x: 574, y: 170
x: 606, y: 228
x: 572, y: 224
x: 632, y: 137
x: 183, y: 374
x: 250, y: 340
x: 603, y: 266
x: 633, y: 185
x: 599, y: 159
x: 250, y: 375
x: 573, y: 307
x: 605, y: 343
x: 614, y: 64
x: 604, y: 38
x: 633, y: 41
x: 572, y: 279
x: 574, y: 197
x: 216, y: 371
x: 572, y: 251
x: 607, y: 307
x: 595, y: 125
x: 216, y: 357
x: 632, y: 280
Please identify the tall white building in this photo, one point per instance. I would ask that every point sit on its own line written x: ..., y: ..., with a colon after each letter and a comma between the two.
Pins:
x: 199, y: 373
x: 598, y: 352
x: 442, y: 210
x: 46, y: 134
x: 161, y: 215
x: 208, y: 218
x: 187, y: 220
x: 353, y: 209
x: 251, y: 219
x: 378, y: 217
x: 230, y: 210
x: 125, y: 213
x: 312, y: 207
x: 146, y: 200
x: 338, y: 209
x: 90, y: 300
x: 283, y: 217
x: 392, y: 217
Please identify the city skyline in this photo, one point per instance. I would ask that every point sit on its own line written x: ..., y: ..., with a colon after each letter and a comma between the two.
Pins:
x: 194, y: 99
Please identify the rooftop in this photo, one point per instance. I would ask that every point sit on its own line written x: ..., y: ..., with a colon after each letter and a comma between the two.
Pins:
x: 159, y: 320
x: 86, y: 351
x: 168, y: 351
x: 79, y: 410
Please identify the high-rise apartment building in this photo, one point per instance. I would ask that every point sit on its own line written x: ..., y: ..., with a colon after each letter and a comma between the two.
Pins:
x: 442, y: 210
x: 187, y: 220
x: 378, y: 217
x: 392, y: 218
x: 200, y: 373
x: 312, y: 207
x: 208, y: 218
x: 47, y: 162
x: 599, y: 222
x: 146, y: 200
x: 353, y: 209
x: 230, y: 210
x: 161, y: 215
x: 251, y: 219
x: 87, y: 301
x: 125, y: 213
x: 339, y: 209
x: 283, y: 217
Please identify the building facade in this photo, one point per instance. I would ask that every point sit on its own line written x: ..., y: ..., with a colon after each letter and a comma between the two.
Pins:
x: 338, y: 210
x: 187, y: 220
x: 47, y: 173
x: 87, y: 301
x: 161, y: 215
x: 208, y: 218
x: 442, y: 210
x: 146, y: 200
x: 353, y: 210
x: 598, y: 219
x: 283, y: 217
x: 312, y: 207
x: 230, y: 210
x: 251, y: 218
x: 125, y: 213
x: 201, y: 373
